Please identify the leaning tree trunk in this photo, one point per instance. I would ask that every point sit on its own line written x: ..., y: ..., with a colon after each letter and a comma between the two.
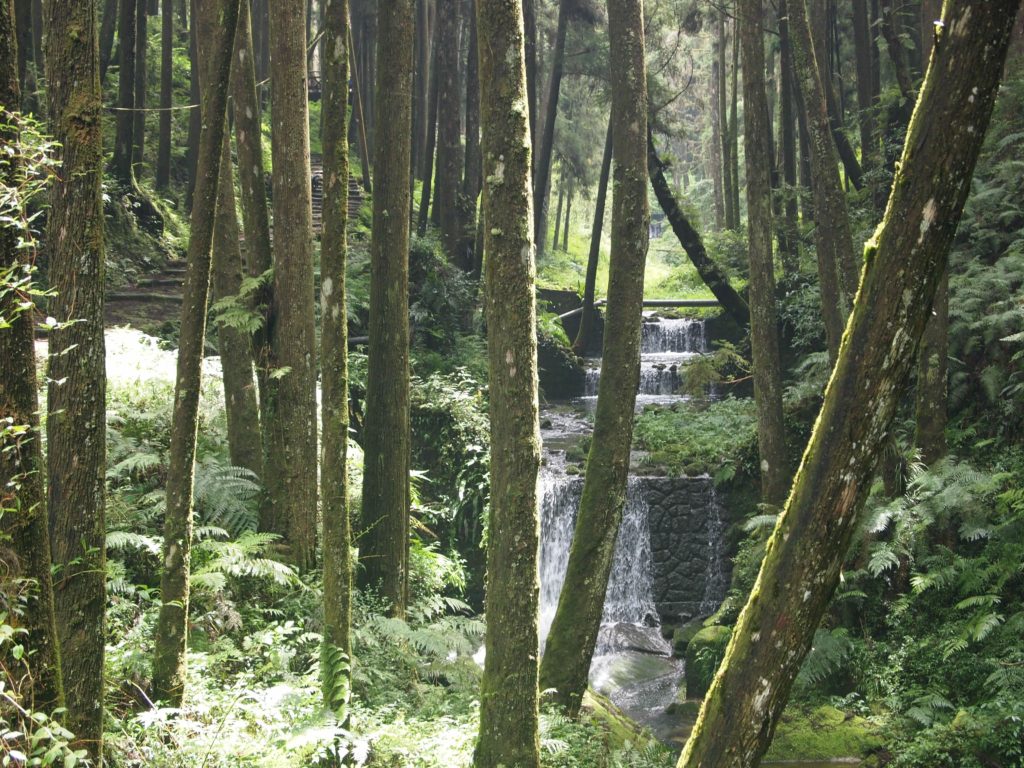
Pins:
x: 163, y: 157
x: 449, y: 121
x: 337, y: 534
x: 125, y: 121
x: 384, y: 543
x: 764, y: 318
x: 509, y: 716
x: 837, y: 272
x: 542, y: 162
x: 714, y: 276
x: 215, y: 32
x: 76, y: 398
x: 573, y: 635
x: 903, y: 265
x: 291, y: 404
x: 22, y: 469
x: 579, y: 346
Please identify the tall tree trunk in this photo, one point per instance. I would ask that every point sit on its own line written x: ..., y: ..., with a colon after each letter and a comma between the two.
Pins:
x: 905, y: 261
x: 472, y: 179
x: 837, y: 269
x: 139, y: 117
x: 764, y: 318
x: 76, y: 397
x: 449, y: 122
x: 862, y: 40
x: 163, y: 158
x: 22, y: 469
x: 384, y: 544
x: 734, y: 128
x: 542, y: 162
x: 558, y: 214
x: 509, y: 717
x: 214, y: 22
x: 573, y: 635
x: 337, y: 532
x: 244, y: 446
x: 711, y: 273
x: 124, y: 141
x: 427, y: 171
x: 195, y: 121
x: 291, y: 408
x: 715, y: 112
x: 108, y: 25
x: 579, y: 346
x: 731, y: 214
x: 23, y: 43
x: 568, y: 212
x: 789, y: 233
x: 530, y: 52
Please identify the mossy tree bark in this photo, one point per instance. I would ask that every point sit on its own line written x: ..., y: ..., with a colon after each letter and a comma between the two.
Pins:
x: 579, y: 345
x: 509, y: 716
x: 714, y: 276
x: 384, y: 543
x: 337, y: 534
x: 125, y: 119
x: 764, y: 318
x: 837, y: 268
x: 903, y: 265
x: 573, y: 635
x: 215, y: 28
x: 291, y: 404
x: 22, y: 469
x: 76, y: 397
x: 163, y: 155
x: 449, y: 122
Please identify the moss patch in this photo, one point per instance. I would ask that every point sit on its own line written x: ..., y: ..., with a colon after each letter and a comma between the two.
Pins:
x: 825, y: 733
x: 703, y: 655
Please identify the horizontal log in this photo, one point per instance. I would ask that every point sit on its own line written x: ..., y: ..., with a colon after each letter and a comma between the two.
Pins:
x: 692, y: 303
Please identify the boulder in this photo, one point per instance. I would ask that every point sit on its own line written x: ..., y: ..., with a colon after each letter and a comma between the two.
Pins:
x: 703, y: 654
x: 561, y: 375
x: 683, y: 635
x: 622, y: 636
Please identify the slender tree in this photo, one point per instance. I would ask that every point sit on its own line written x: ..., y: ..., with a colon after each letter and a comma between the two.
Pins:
x: 23, y: 518
x: 579, y: 345
x: 509, y: 715
x: 573, y: 635
x: 139, y: 102
x: 291, y: 405
x: 76, y: 397
x: 903, y: 264
x: 123, y: 139
x: 449, y: 131
x: 194, y: 115
x: 722, y: 91
x: 215, y: 25
x: 384, y: 542
x: 337, y: 535
x: 163, y: 158
x: 788, y: 226
x: 427, y: 170
x: 764, y: 318
x: 715, y: 150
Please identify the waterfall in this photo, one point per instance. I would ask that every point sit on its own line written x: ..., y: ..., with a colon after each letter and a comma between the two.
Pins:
x: 716, y: 582
x: 673, y: 335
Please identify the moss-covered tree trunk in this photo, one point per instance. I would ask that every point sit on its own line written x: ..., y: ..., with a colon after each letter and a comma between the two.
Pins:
x: 125, y: 118
x: 22, y: 469
x: 903, y: 266
x: 711, y: 273
x: 579, y: 345
x: 163, y: 154
x: 244, y: 445
x: 837, y: 270
x: 291, y: 404
x: 573, y: 635
x: 449, y: 128
x: 76, y: 397
x: 764, y: 318
x: 509, y: 717
x: 384, y: 541
x: 337, y: 535
x: 542, y: 160
x: 215, y: 28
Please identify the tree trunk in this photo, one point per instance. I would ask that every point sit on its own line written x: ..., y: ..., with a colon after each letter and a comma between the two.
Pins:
x: 291, y: 405
x: 789, y: 231
x: 904, y: 263
x: 76, y: 397
x: 568, y: 212
x: 24, y: 523
x: 337, y: 533
x: 195, y: 121
x: 449, y: 123
x: 163, y: 159
x: 558, y: 214
x: 244, y: 446
x: 723, y: 120
x: 509, y: 717
x: 124, y: 141
x: 837, y: 270
x: 384, y: 544
x: 734, y: 129
x: 715, y: 112
x: 542, y: 162
x: 865, y: 97
x: 579, y: 346
x: 713, y: 276
x: 108, y: 25
x: 573, y: 635
x: 427, y: 172
x: 764, y: 318
x: 139, y: 117
x: 23, y: 43
x: 214, y: 23
x: 473, y: 178
x: 530, y: 52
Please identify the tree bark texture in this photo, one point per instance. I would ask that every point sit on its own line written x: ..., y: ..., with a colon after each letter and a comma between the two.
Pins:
x: 163, y: 157
x: 449, y: 128
x: 215, y: 25
x: 76, y: 397
x: 837, y: 269
x: 337, y: 533
x: 139, y: 103
x: 764, y: 318
x: 22, y: 468
x: 904, y: 263
x: 384, y: 543
x: 713, y: 276
x: 125, y: 121
x: 579, y: 345
x: 542, y: 162
x: 573, y: 635
x: 509, y: 717
x: 291, y: 409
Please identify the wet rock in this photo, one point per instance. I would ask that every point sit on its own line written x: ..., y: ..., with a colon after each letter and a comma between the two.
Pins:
x: 622, y: 636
